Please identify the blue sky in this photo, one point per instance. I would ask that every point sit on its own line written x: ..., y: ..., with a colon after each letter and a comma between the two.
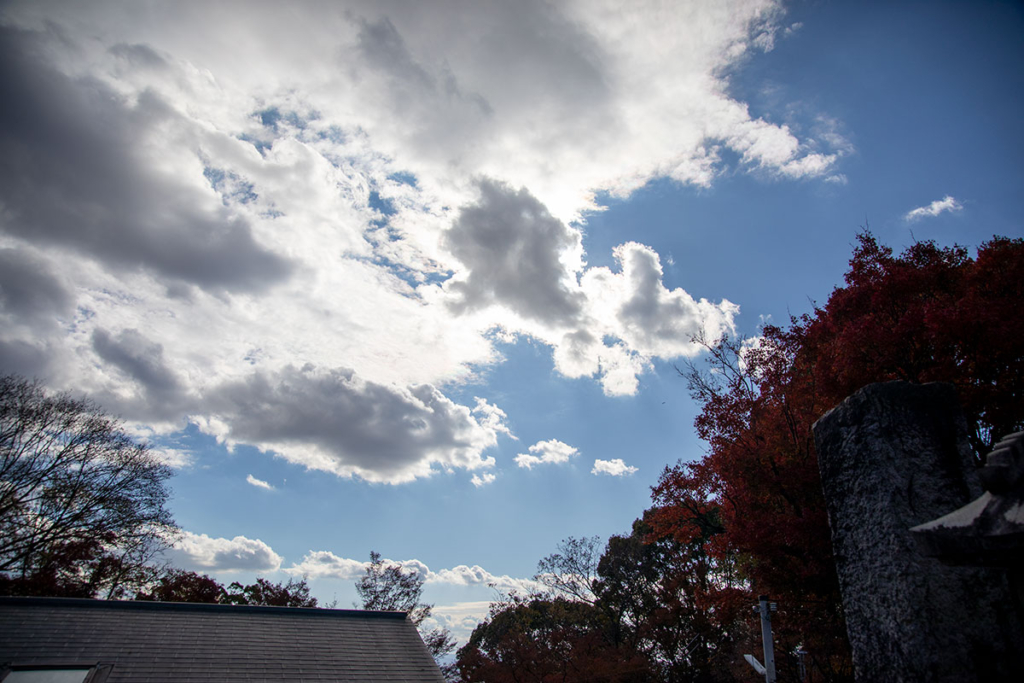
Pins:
x: 415, y: 277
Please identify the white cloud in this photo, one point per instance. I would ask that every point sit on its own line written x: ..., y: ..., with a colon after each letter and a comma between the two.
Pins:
x: 478, y: 480
x: 322, y: 564
x: 173, y: 457
x: 492, y: 417
x: 552, y: 451
x: 201, y: 552
x: 614, y: 467
x: 319, y: 564
x: 259, y: 483
x: 295, y: 228
x: 463, y: 575
x: 460, y: 618
x: 947, y: 203
x: 525, y: 268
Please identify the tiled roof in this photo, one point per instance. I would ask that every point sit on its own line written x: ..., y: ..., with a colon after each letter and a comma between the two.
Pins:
x: 181, y: 642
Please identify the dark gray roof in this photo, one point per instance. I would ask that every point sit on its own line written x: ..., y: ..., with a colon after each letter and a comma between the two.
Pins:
x: 164, y: 641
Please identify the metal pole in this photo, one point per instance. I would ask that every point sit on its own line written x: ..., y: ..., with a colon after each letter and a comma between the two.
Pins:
x: 766, y: 638
x: 801, y: 666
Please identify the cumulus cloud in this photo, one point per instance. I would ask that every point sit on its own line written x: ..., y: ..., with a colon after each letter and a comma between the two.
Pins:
x: 74, y: 175
x: 947, y: 203
x: 325, y: 564
x: 137, y: 357
x: 478, y: 480
x: 515, y: 254
x: 492, y: 417
x: 614, y: 468
x: 173, y: 457
x: 259, y: 483
x: 546, y: 452
x: 463, y: 575
x: 201, y: 552
x: 299, y: 248
x: 319, y: 564
x: 332, y: 420
x: 518, y: 258
x: 460, y: 618
x: 32, y: 289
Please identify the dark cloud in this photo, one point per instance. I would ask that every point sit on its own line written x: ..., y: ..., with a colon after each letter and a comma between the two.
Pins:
x: 511, y: 246
x: 161, y: 395
x: 649, y: 305
x: 137, y: 357
x: 30, y: 288
x: 26, y: 359
x: 33, y: 300
x: 72, y: 175
x: 378, y: 431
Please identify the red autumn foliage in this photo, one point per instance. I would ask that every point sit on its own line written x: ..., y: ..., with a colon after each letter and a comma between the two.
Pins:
x: 931, y: 314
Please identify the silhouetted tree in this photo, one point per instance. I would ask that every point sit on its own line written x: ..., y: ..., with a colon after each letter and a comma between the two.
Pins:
x: 639, y: 611
x: 82, y: 504
x: 388, y: 586
x: 548, y: 638
x: 178, y: 585
x: 295, y: 593
x: 572, y: 570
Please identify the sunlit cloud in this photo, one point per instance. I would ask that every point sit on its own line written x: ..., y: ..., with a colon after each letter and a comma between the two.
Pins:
x: 482, y: 480
x: 259, y: 483
x: 244, y: 236
x: 947, y: 203
x: 203, y: 553
x: 323, y: 564
x: 614, y: 468
x: 548, y: 452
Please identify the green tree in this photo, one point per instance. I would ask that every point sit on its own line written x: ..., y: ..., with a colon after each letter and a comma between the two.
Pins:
x: 82, y: 503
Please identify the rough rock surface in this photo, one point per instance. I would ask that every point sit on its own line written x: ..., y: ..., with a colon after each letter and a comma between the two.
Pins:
x: 894, y: 455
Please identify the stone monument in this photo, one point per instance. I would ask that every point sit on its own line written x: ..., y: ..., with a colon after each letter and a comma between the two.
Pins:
x: 892, y: 456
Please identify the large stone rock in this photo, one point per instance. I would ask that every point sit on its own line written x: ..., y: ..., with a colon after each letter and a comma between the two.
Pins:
x: 892, y: 456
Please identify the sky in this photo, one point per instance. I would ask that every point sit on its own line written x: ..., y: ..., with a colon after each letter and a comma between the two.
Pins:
x: 415, y: 277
